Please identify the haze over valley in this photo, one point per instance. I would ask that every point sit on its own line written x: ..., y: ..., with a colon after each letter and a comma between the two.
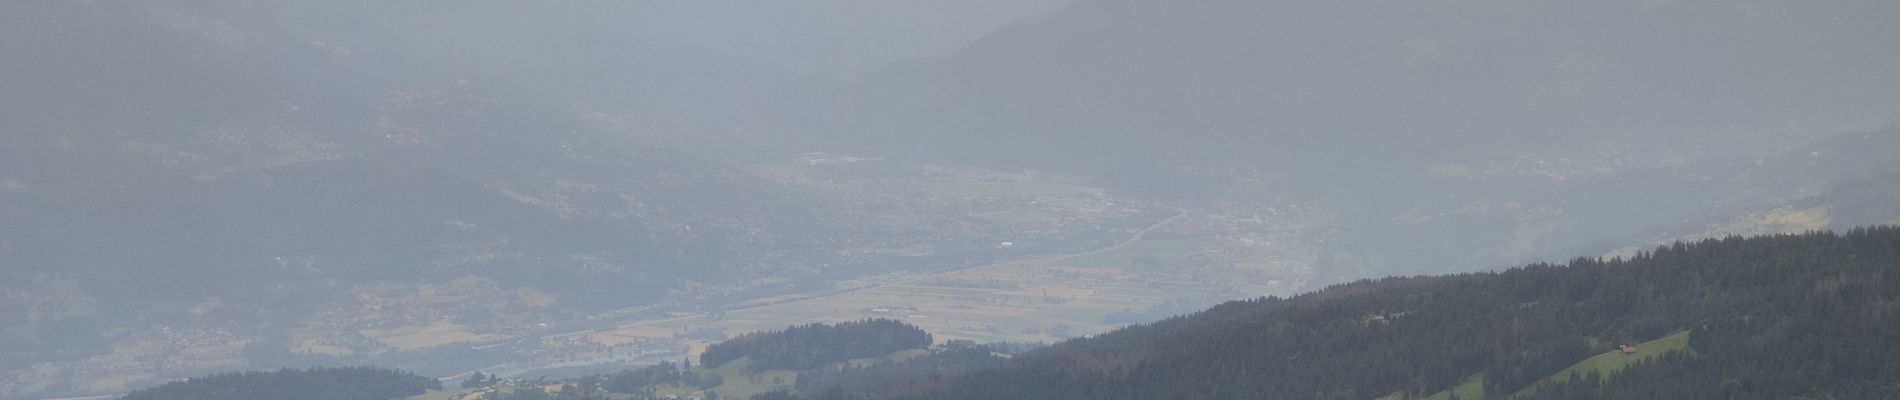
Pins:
x: 443, y: 187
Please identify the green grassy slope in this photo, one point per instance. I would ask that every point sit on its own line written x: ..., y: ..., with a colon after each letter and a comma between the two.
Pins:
x: 1604, y: 364
x: 1471, y: 389
x: 1611, y: 362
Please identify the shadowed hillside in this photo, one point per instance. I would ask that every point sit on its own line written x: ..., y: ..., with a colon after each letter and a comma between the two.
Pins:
x: 1765, y: 317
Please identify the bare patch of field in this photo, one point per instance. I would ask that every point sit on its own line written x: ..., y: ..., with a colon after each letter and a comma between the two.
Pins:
x: 650, y: 329
x: 535, y: 298
x: 1776, y: 222
x: 228, y: 354
x: 314, y: 346
x: 1798, y: 221
x: 1026, y: 303
x: 116, y: 382
x: 425, y: 336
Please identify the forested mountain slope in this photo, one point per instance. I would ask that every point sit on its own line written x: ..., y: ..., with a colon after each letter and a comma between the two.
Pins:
x: 1766, y: 317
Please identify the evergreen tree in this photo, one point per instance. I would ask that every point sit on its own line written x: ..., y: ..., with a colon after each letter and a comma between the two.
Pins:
x: 474, y: 381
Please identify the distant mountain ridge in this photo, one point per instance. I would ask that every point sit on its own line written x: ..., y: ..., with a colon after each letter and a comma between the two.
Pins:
x: 1522, y: 127
x: 1268, y: 82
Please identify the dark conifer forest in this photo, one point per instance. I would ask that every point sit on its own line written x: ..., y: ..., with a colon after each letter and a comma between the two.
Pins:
x: 811, y: 346
x: 349, y: 383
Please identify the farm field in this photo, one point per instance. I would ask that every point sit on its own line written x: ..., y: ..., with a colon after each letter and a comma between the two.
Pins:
x: 1610, y: 362
x: 1603, y: 364
x: 426, y: 336
x: 1471, y: 389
